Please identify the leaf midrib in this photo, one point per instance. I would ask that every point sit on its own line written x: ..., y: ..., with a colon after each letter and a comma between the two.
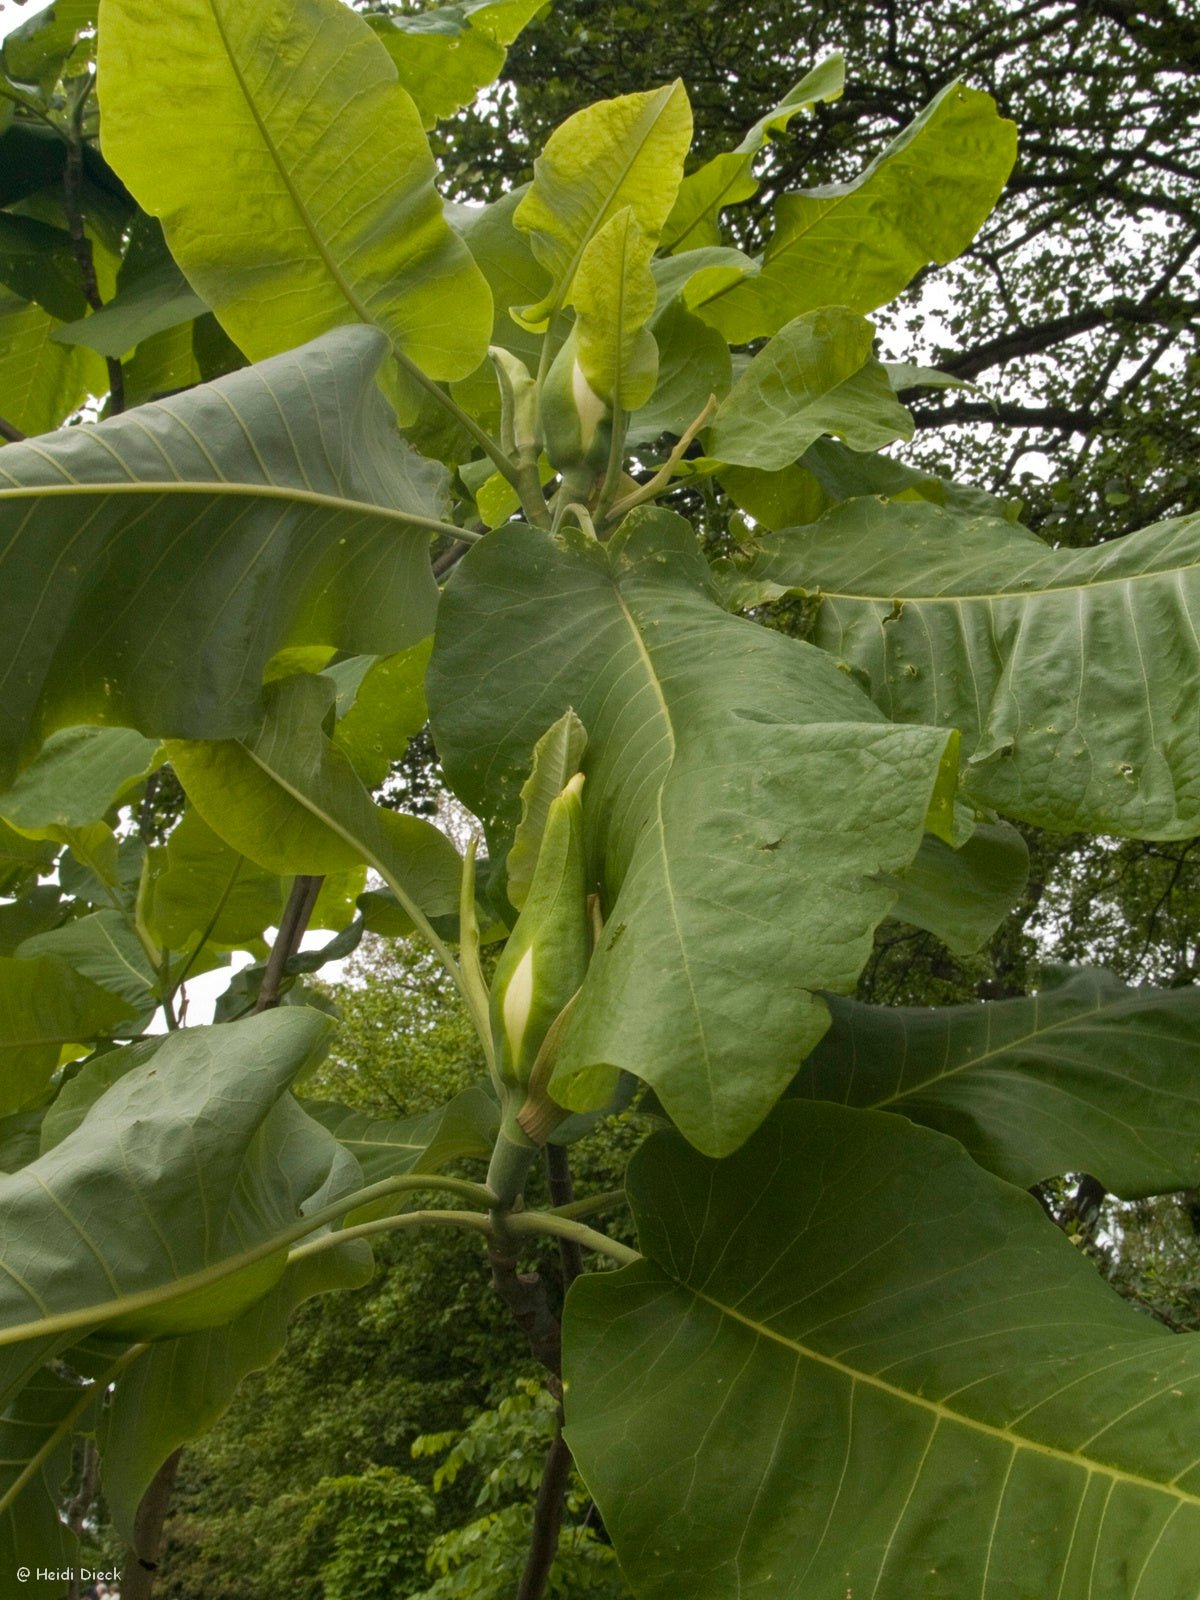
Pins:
x: 940, y: 1410
x: 1020, y: 1041
x: 995, y: 595
x: 335, y: 272
x: 255, y: 491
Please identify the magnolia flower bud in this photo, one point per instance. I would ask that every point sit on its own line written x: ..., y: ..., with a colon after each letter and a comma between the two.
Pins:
x: 546, y: 956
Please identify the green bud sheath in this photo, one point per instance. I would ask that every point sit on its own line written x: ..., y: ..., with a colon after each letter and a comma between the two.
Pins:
x: 576, y: 422
x: 546, y: 956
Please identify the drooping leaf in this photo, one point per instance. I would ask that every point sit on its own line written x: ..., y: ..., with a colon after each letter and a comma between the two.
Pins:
x: 289, y: 799
x: 816, y: 376
x: 76, y: 777
x: 390, y: 1147
x: 744, y: 805
x: 445, y: 55
x: 341, y: 221
x: 1072, y: 674
x: 614, y: 295
x: 381, y: 709
x: 35, y: 911
x: 187, y: 1177
x: 180, y: 1387
x: 729, y: 177
x: 1088, y: 1076
x: 37, y: 262
x: 693, y: 364
x: 858, y: 244
x: 41, y: 383
x: 38, y: 50
x: 104, y: 948
x: 963, y: 895
x: 274, y: 529
x: 44, y: 1005
x: 201, y: 886
x: 854, y: 1362
x: 617, y: 153
x: 557, y: 757
x: 92, y: 1078
x: 505, y: 257
x: 36, y: 1435
x: 152, y: 297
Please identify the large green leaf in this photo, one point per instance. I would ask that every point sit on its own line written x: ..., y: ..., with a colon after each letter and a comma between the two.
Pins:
x: 41, y: 383
x: 693, y: 364
x: 446, y: 54
x: 290, y: 800
x: 201, y: 886
x: 105, y: 949
x: 746, y: 805
x: 152, y: 296
x: 171, y: 1206
x: 816, y: 376
x: 1088, y: 1076
x: 179, y: 1387
x: 388, y: 1147
x: 858, y: 244
x: 36, y: 1435
x: 76, y: 778
x: 729, y: 177
x: 44, y: 1005
x: 614, y: 297
x: 1073, y: 675
x: 314, y: 203
x: 963, y: 895
x: 854, y: 1363
x: 37, y: 262
x: 617, y: 153
x: 282, y: 509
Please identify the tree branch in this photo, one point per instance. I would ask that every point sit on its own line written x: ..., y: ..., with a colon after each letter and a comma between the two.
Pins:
x: 10, y: 433
x: 81, y: 245
x: 137, y: 1577
x: 287, y: 940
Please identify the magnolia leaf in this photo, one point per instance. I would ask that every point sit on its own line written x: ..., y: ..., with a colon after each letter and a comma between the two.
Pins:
x: 44, y: 1005
x: 859, y: 1364
x: 746, y: 806
x: 202, y: 887
x: 290, y: 800
x: 188, y: 1177
x: 390, y: 1147
x: 380, y: 709
x: 557, y: 757
x: 37, y: 262
x: 816, y: 376
x: 36, y: 1435
x: 307, y: 529
x: 1049, y: 662
x: 444, y: 56
x: 341, y: 222
x: 614, y: 297
x: 858, y: 244
x: 964, y: 895
x: 41, y: 382
x: 693, y: 364
x: 93, y: 1078
x: 617, y: 153
x: 505, y: 257
x: 76, y: 778
x: 37, y: 910
x: 152, y: 296
x: 179, y: 1387
x: 1089, y: 1076
x: 104, y: 948
x: 729, y: 178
